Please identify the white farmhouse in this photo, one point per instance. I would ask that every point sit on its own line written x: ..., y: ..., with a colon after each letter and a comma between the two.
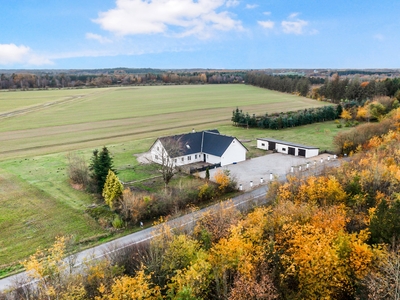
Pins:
x: 205, y: 146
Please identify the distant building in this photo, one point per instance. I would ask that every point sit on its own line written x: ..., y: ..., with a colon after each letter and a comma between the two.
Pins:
x: 205, y: 146
x: 287, y: 147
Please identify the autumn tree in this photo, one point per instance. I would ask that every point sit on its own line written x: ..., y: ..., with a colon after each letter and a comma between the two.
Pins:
x: 170, y: 149
x: 112, y: 190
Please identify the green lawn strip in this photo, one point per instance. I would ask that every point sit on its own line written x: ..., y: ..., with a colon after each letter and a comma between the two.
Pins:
x: 318, y: 134
x: 31, y: 217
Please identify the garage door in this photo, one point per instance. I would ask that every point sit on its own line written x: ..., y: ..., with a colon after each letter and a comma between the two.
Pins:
x: 291, y: 151
x: 302, y: 152
x: 271, y: 145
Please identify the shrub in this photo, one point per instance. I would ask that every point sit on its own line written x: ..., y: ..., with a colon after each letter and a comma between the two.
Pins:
x: 117, y: 223
x: 77, y: 169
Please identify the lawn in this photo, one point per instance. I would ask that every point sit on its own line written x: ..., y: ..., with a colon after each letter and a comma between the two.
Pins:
x: 36, y: 200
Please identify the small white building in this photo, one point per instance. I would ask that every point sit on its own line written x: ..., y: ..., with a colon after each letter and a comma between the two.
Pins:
x: 204, y: 146
x: 287, y: 147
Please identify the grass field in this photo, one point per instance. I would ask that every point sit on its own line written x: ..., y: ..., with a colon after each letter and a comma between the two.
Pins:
x: 38, y: 128
x: 76, y: 119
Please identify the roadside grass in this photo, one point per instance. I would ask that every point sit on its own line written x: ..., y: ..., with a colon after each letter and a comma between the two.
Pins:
x: 31, y: 218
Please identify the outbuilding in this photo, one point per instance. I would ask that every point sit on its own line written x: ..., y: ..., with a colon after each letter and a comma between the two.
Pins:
x: 287, y: 147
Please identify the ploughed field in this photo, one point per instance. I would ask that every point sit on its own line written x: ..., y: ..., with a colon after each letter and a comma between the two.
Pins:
x: 39, y: 128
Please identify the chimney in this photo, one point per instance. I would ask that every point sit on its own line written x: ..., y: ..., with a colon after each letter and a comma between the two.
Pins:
x: 193, y: 131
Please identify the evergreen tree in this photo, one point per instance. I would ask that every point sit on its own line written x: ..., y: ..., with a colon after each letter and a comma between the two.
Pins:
x: 207, y: 174
x: 112, y: 190
x: 101, y: 163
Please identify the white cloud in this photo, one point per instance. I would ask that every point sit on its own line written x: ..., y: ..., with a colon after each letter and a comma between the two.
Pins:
x: 266, y: 24
x: 230, y: 3
x: 267, y: 13
x: 251, y: 6
x: 97, y: 37
x: 173, y: 17
x: 12, y: 54
x: 295, y: 25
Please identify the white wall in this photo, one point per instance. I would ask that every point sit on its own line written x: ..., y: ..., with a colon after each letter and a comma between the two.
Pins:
x: 282, y: 148
x: 212, y: 159
x: 235, y: 153
x: 311, y: 152
x: 156, y: 152
x: 260, y: 144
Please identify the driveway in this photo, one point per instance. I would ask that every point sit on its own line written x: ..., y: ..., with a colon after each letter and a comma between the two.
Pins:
x: 277, y: 164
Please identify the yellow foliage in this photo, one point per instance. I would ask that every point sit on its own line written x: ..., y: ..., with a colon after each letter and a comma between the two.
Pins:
x: 346, y: 115
x: 132, y: 288
x: 222, y: 179
x: 197, y: 277
x: 314, y: 190
x: 112, y: 189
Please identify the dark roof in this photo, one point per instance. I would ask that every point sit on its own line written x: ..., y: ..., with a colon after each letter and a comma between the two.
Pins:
x: 208, y: 141
x: 287, y: 143
x: 216, y: 144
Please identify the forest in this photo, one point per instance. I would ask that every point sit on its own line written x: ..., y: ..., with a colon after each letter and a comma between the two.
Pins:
x: 26, y: 81
x: 331, y: 236
x: 334, y: 88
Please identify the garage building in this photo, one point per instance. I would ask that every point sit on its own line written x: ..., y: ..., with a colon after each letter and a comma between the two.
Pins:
x: 287, y: 147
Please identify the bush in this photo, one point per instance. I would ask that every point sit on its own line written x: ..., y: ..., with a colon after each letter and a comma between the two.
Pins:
x: 117, y: 223
x: 78, y: 171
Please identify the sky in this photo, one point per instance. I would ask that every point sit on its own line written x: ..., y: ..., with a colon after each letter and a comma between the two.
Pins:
x: 215, y: 34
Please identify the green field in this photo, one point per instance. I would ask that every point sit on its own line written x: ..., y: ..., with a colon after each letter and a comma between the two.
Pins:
x: 39, y: 128
x: 39, y: 123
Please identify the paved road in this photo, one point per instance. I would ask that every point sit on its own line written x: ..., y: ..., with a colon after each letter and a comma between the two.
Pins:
x: 253, y: 197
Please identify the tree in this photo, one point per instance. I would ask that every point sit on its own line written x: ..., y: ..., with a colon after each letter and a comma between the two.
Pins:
x: 112, y: 190
x: 171, y: 148
x: 100, y: 164
x: 207, y: 174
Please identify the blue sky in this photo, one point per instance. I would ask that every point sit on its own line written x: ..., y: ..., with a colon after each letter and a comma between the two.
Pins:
x: 232, y: 34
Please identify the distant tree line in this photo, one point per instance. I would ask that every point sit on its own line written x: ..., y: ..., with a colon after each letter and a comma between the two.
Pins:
x: 119, y: 77
x: 283, y: 83
x: 287, y: 119
x: 338, y: 89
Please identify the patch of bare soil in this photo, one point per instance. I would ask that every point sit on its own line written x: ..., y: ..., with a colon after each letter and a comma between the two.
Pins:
x: 144, y: 158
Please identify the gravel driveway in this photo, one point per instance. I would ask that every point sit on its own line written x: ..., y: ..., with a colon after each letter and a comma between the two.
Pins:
x: 276, y: 163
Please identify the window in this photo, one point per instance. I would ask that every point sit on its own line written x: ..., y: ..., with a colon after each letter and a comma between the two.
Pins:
x: 189, y: 157
x: 183, y: 159
x: 175, y: 160
x: 156, y: 156
x: 262, y: 144
x: 158, y: 148
x: 283, y: 149
x: 195, y: 156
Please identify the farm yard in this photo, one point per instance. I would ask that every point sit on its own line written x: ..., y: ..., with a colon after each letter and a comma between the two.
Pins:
x: 39, y: 128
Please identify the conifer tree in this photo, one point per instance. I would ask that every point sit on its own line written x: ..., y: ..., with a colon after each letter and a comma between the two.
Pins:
x: 101, y: 162
x: 112, y: 190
